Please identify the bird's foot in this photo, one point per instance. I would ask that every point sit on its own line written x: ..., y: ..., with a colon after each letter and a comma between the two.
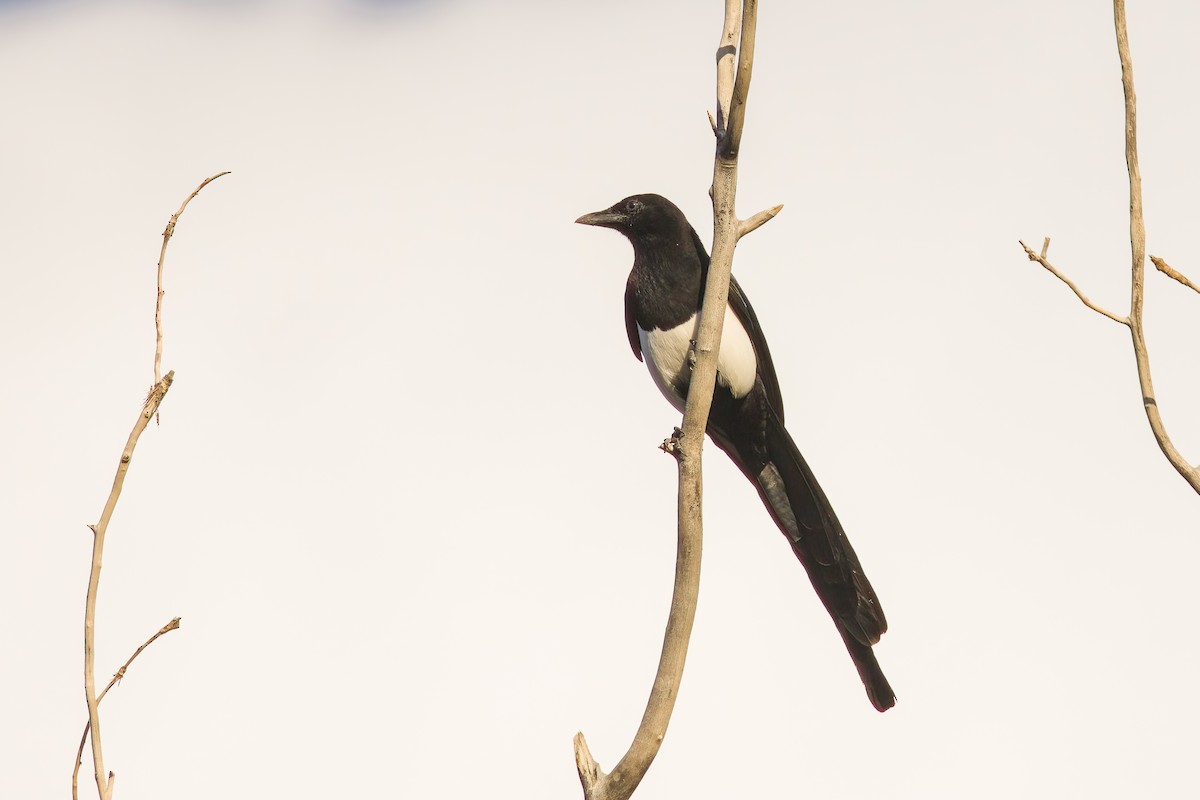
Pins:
x: 671, y: 446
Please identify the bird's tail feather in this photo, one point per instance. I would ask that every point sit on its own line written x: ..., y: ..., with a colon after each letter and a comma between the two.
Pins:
x: 879, y: 691
x: 800, y: 509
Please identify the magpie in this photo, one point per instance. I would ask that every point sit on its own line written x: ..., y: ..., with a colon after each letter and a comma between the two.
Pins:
x: 663, y: 297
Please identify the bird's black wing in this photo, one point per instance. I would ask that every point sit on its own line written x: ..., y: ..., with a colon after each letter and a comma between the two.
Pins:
x: 745, y: 315
x: 766, y: 367
x: 631, y: 327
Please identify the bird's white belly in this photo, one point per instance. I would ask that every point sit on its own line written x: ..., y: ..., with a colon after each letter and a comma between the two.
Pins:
x: 666, y: 355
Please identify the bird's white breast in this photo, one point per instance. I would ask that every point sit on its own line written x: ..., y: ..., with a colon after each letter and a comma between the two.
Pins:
x: 666, y: 355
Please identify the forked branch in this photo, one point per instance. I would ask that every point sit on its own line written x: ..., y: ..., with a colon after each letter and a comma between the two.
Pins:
x: 1137, y: 246
x: 173, y: 625
x: 1041, y: 259
x: 104, y: 780
x: 733, y: 88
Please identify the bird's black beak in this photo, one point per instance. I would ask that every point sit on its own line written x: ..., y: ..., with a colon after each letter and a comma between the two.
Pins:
x: 604, y: 219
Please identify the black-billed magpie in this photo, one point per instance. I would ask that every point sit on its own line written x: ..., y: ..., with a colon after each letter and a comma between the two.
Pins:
x: 662, y: 301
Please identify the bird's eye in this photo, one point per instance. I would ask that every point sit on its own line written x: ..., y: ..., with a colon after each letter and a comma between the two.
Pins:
x: 633, y: 204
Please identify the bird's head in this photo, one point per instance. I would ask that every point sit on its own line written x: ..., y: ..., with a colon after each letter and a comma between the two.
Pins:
x: 641, y: 217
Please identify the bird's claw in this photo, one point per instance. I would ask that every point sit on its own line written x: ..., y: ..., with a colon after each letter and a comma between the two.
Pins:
x: 671, y: 445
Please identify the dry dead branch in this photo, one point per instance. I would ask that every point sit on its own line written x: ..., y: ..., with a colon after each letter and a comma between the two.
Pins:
x: 1172, y: 273
x: 733, y: 88
x: 1137, y: 242
x: 104, y: 779
x: 1041, y: 259
x: 167, y: 233
x: 173, y: 625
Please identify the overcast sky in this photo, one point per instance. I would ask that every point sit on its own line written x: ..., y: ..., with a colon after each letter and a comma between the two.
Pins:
x: 406, y: 494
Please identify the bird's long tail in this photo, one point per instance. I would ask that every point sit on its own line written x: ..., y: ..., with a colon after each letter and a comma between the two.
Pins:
x: 797, y: 503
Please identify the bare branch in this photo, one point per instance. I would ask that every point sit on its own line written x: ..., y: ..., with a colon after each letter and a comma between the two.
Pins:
x: 1171, y: 272
x: 1137, y: 227
x: 173, y: 625
x: 590, y: 774
x: 758, y: 220
x: 1137, y: 246
x: 149, y: 409
x: 167, y: 233
x: 118, y: 675
x: 741, y: 86
x: 1041, y: 259
x: 686, y: 445
x: 98, y: 530
x: 726, y: 49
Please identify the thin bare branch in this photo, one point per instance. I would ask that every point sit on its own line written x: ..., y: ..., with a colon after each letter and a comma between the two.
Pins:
x: 732, y: 141
x: 758, y: 220
x: 1042, y: 260
x: 1137, y: 246
x: 726, y: 49
x: 1171, y: 272
x: 686, y: 445
x: 1137, y: 252
x: 118, y: 675
x: 150, y: 408
x: 98, y: 530
x: 167, y: 233
x: 590, y: 773
x: 1137, y: 227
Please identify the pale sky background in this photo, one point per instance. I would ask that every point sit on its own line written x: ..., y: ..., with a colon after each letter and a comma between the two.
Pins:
x: 406, y: 494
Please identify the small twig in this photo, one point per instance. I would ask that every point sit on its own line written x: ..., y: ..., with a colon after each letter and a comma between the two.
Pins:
x: 589, y: 771
x: 167, y: 233
x: 89, y: 620
x: 1171, y: 272
x: 173, y: 625
x: 757, y: 221
x: 1042, y: 260
x: 117, y: 676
